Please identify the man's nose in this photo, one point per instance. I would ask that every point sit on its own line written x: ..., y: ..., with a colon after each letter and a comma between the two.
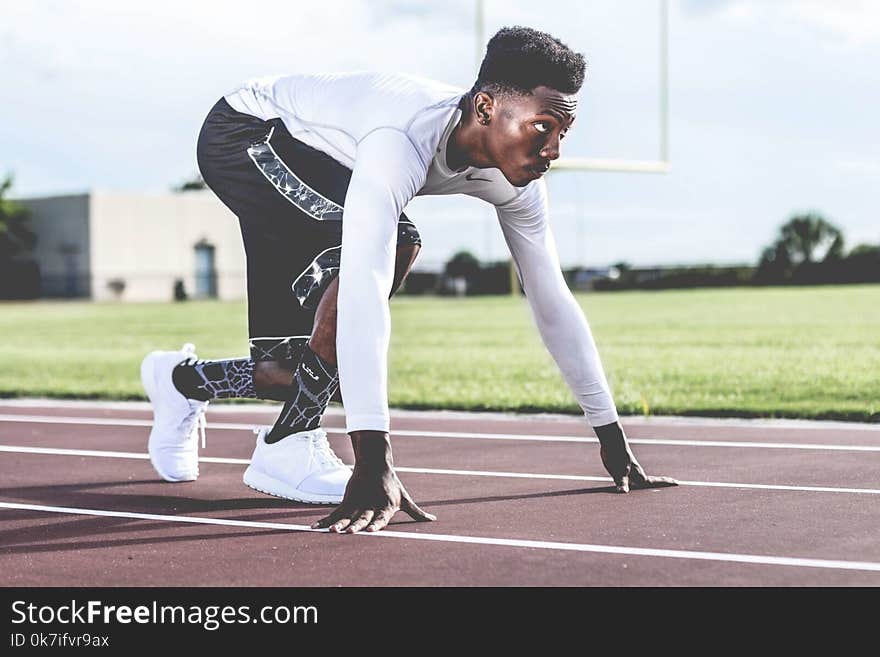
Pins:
x: 551, y: 149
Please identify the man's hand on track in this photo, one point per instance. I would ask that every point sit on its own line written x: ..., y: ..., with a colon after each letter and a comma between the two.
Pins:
x: 621, y: 463
x: 374, y: 493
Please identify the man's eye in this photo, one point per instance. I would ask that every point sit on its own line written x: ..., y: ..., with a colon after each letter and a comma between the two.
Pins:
x: 542, y: 127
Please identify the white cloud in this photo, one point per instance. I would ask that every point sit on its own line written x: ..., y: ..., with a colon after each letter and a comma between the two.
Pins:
x: 859, y: 167
x: 857, y: 22
x: 770, y: 105
x: 852, y: 23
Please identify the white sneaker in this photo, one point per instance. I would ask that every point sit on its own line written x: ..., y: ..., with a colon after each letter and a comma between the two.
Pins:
x: 299, y: 467
x: 177, y: 421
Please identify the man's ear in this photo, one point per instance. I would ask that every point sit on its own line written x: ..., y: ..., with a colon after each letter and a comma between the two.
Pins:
x: 484, y: 107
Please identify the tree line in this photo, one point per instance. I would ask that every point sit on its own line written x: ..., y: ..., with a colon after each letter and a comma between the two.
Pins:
x: 808, y: 249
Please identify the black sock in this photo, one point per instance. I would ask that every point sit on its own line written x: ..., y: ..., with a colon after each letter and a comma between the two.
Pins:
x: 215, y: 379
x: 314, y: 383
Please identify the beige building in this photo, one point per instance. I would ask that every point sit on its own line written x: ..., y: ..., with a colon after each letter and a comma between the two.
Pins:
x: 137, y: 247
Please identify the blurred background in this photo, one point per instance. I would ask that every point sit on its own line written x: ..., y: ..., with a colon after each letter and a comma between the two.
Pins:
x: 770, y: 117
x: 753, y: 125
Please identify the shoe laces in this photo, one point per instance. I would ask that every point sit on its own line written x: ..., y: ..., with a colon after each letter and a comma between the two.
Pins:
x: 195, y: 421
x: 323, y: 452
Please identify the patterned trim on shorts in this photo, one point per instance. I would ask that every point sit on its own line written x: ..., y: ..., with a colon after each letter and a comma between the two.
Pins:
x: 288, y: 184
x: 310, y: 285
x: 279, y: 349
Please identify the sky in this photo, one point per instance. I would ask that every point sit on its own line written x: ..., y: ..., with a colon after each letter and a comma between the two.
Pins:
x: 773, y: 105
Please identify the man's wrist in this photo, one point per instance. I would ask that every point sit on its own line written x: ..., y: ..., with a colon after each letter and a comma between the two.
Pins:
x: 372, y: 450
x: 609, y: 432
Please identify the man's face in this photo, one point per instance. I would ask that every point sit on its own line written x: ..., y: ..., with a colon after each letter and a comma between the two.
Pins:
x: 524, y: 132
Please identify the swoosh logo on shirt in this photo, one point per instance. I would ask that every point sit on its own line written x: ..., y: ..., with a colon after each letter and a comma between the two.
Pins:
x: 471, y: 177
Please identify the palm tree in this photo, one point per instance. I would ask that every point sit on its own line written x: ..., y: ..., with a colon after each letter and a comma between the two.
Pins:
x: 804, y: 234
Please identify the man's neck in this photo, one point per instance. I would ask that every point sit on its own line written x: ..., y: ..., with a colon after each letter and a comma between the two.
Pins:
x: 465, y: 147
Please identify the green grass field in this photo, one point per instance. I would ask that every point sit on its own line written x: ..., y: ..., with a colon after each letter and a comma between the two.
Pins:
x: 811, y: 352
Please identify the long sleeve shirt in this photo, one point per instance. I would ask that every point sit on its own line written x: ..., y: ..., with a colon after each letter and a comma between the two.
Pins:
x: 392, y: 131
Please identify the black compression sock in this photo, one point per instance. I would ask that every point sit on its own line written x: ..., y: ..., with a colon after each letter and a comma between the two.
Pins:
x: 314, y: 383
x: 215, y: 379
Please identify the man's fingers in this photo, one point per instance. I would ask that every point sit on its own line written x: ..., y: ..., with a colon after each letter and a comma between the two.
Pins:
x: 655, y: 482
x: 381, y: 520
x: 639, y: 479
x: 339, y: 526
x: 349, y: 515
x: 636, y: 479
x: 362, y: 521
x: 413, y: 509
x: 335, y: 515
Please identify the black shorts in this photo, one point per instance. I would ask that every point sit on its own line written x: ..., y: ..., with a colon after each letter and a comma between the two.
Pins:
x: 288, y: 198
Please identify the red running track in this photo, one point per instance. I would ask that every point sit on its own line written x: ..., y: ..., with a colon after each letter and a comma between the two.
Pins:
x: 520, y: 500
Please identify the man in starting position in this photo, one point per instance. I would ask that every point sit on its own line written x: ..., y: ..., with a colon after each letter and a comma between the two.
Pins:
x: 318, y: 170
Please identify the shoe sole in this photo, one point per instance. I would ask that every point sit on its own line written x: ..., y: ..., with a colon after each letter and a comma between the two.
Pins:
x: 148, y: 373
x: 271, y: 486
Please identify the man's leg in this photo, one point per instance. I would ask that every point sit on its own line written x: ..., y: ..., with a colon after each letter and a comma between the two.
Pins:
x: 277, y: 235
x: 215, y: 379
x: 316, y: 379
x: 288, y: 198
x: 280, y: 240
x: 205, y: 380
x: 323, y: 340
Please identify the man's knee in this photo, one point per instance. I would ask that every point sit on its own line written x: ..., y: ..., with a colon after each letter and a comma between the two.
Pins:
x: 406, y: 256
x: 323, y: 339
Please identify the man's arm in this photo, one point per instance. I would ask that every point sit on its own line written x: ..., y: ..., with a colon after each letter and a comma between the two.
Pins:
x: 566, y: 333
x: 386, y: 175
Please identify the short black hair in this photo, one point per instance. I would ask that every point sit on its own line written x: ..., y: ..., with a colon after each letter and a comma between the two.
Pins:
x: 518, y: 59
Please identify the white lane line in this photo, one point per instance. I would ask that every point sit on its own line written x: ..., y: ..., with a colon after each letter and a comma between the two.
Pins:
x: 439, y: 471
x: 712, y: 484
x: 127, y: 422
x: 766, y: 560
x: 634, y: 441
x: 273, y: 408
x: 60, y: 451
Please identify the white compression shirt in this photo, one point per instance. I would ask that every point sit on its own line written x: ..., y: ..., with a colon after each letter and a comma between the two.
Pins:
x: 391, y: 130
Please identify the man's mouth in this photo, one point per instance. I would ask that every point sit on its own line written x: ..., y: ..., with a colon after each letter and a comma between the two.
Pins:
x: 539, y: 170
